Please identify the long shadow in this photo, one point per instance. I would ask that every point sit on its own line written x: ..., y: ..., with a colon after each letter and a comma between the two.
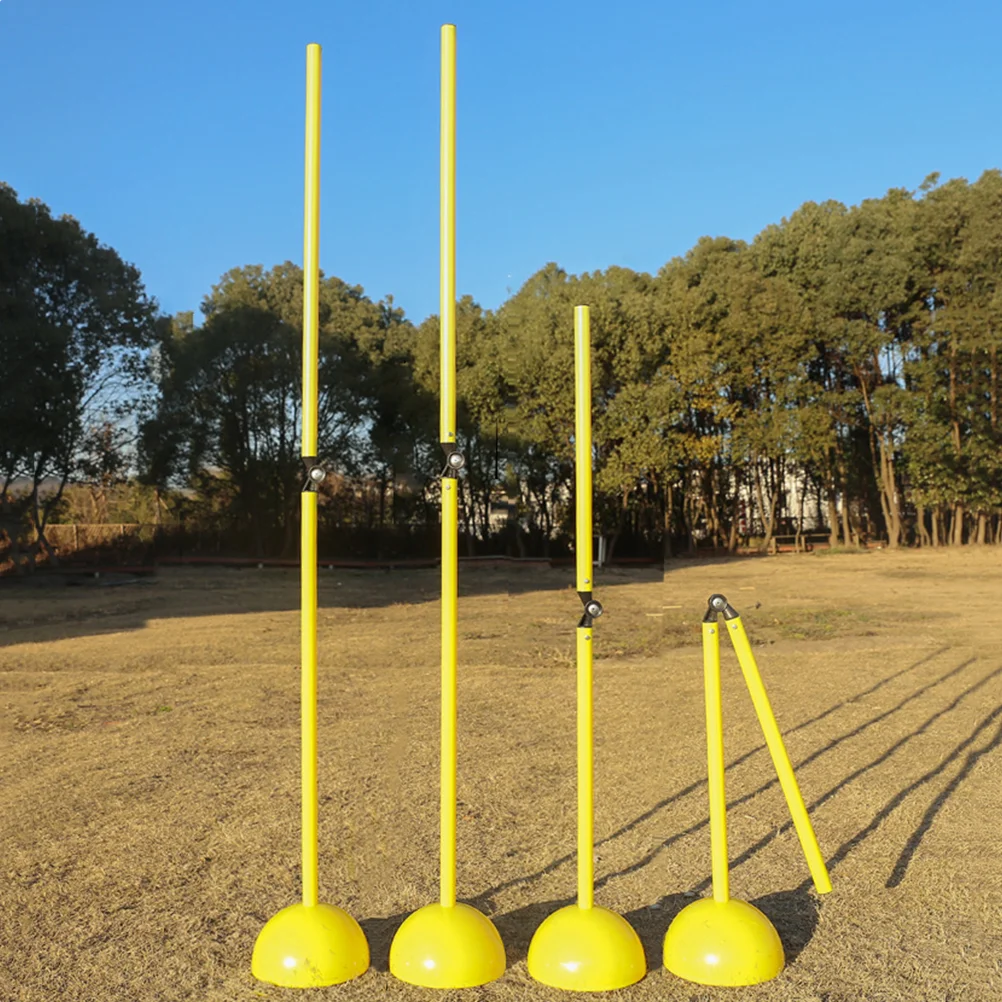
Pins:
x: 763, y: 842
x: 741, y: 759
x: 895, y: 801
x: 915, y: 839
x: 692, y: 787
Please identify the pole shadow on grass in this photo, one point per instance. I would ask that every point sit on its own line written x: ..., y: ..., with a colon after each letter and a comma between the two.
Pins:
x: 701, y: 783
x: 898, y: 798
x: 850, y: 844
x: 915, y: 839
x: 913, y: 842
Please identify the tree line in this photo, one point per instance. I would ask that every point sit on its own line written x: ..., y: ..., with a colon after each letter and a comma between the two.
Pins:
x: 839, y: 370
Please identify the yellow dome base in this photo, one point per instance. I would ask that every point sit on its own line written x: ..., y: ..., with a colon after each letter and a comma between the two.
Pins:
x: 310, y: 946
x: 723, y: 943
x: 447, y: 947
x: 586, y: 950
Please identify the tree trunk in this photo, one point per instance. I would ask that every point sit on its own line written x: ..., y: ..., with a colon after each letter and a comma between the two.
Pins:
x: 889, y: 487
x: 760, y: 506
x: 982, y: 528
x: 924, y: 539
x: 732, y: 541
x: 39, y: 518
x: 957, y: 527
x: 669, y: 519
x: 832, y: 518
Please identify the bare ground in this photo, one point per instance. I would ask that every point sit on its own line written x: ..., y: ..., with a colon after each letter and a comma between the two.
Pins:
x: 149, y: 771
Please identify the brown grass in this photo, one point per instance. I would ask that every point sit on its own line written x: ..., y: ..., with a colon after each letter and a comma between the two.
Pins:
x: 149, y: 790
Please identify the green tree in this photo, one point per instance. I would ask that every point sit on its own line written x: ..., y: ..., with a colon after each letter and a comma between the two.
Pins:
x: 76, y: 326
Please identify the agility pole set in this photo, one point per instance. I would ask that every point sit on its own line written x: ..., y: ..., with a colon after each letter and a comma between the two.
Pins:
x: 447, y: 944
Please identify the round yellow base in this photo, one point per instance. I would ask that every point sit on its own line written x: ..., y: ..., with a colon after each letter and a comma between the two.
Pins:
x: 310, y: 946
x: 723, y: 943
x: 447, y: 947
x: 586, y: 950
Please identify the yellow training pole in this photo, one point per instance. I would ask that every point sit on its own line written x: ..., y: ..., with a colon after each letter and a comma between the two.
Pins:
x: 308, y: 540
x: 781, y: 761
x: 450, y: 485
x: 583, y: 553
x: 715, y: 760
x: 720, y: 941
x: 448, y: 944
x: 311, y: 945
x: 585, y: 947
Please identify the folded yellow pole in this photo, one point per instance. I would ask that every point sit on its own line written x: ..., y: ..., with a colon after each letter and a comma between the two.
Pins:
x: 721, y: 941
x: 715, y: 761
x: 781, y: 761
x: 583, y: 547
x: 308, y: 537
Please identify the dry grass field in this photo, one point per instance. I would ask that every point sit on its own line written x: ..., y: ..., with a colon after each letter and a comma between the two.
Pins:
x: 149, y: 771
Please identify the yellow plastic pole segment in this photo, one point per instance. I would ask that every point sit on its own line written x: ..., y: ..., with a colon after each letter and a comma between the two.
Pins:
x: 715, y: 761
x: 780, y: 759
x: 450, y: 555
x: 311, y: 251
x: 583, y: 547
x: 582, y: 446
x: 447, y: 237
x: 586, y: 771
x: 308, y: 696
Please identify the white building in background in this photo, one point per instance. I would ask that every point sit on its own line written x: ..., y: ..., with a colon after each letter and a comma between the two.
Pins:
x: 794, y: 493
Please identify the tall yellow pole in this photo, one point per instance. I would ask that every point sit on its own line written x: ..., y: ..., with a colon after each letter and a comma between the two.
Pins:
x: 715, y: 761
x: 308, y: 548
x: 781, y: 761
x: 583, y: 548
x: 310, y: 945
x: 450, y: 485
x: 448, y: 944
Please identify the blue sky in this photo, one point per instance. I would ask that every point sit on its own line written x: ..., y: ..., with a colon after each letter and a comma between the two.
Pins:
x: 589, y: 133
